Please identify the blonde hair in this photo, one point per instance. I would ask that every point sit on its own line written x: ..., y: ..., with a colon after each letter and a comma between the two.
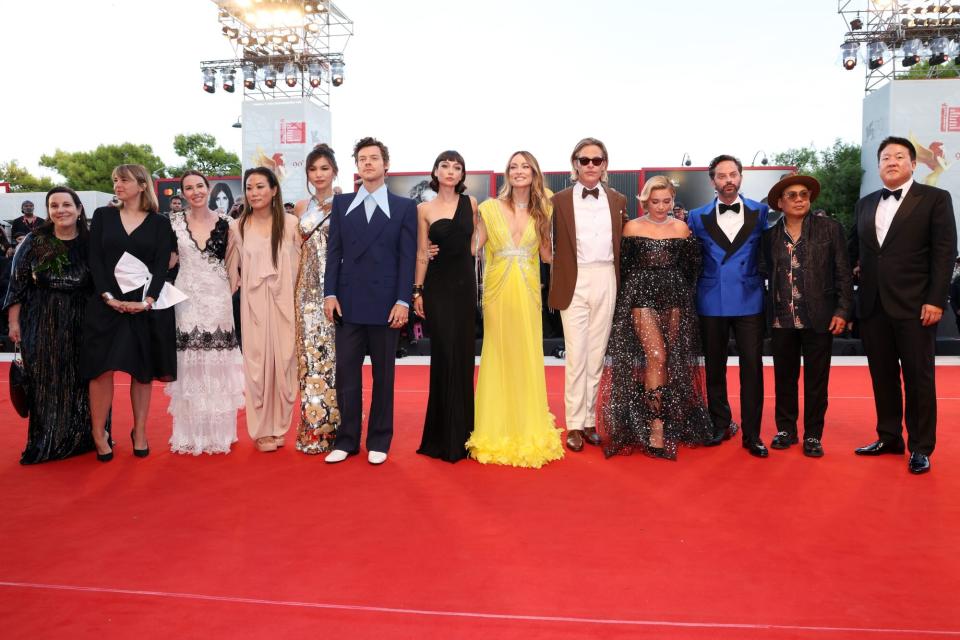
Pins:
x: 653, y: 184
x: 139, y: 174
x: 586, y: 142
x: 539, y: 203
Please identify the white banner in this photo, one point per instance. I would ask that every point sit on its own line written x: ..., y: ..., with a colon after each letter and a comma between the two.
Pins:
x: 278, y: 135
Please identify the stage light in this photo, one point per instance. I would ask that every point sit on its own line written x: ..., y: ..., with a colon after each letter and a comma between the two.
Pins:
x: 210, y: 80
x: 309, y: 7
x: 315, y: 74
x: 849, y: 52
x: 276, y: 38
x: 911, y: 52
x: 763, y: 160
x: 940, y: 49
x: 290, y: 73
x: 261, y: 39
x: 876, y: 55
x: 292, y: 38
x: 249, y: 76
x: 229, y: 76
x: 313, y: 27
x: 685, y: 160
x: 231, y: 32
x: 270, y: 76
x: 856, y: 24
x: 245, y: 41
x: 336, y: 73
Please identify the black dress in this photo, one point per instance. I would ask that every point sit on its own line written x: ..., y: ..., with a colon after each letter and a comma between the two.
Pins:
x: 141, y: 344
x: 655, y: 335
x: 53, y: 302
x: 449, y: 300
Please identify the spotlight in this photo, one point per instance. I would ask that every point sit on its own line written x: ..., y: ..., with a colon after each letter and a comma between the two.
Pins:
x: 685, y: 160
x: 292, y: 38
x: 270, y: 76
x: 309, y: 7
x: 849, y: 53
x: 856, y: 24
x: 315, y: 74
x: 231, y: 32
x: 276, y: 38
x: 246, y: 41
x: 336, y: 73
x: 290, y: 73
x: 229, y: 83
x: 313, y: 27
x: 876, y: 55
x: 209, y: 80
x: 906, y: 23
x: 920, y: 22
x: 940, y: 49
x: 249, y: 76
x: 911, y: 52
x: 763, y: 160
x: 261, y: 39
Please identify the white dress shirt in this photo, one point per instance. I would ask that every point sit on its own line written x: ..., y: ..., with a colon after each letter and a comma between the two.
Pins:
x: 887, y: 209
x: 591, y: 217
x: 731, y: 223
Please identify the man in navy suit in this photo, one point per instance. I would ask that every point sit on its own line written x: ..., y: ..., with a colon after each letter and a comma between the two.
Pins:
x: 368, y: 286
x: 730, y: 297
x: 904, y: 240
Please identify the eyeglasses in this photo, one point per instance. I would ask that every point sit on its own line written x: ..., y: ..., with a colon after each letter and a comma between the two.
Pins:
x: 584, y: 161
x: 797, y: 195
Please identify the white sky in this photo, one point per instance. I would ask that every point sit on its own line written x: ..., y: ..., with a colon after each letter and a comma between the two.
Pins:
x: 651, y: 79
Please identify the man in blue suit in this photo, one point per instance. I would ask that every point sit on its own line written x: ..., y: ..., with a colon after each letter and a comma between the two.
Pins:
x: 730, y: 297
x: 368, y: 286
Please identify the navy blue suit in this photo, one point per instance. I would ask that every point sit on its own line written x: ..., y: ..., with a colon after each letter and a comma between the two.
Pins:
x: 370, y: 267
x: 730, y: 296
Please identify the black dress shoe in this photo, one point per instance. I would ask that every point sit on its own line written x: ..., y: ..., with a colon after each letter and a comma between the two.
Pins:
x: 574, y: 440
x: 592, y: 437
x: 878, y: 448
x: 719, y: 435
x: 756, y: 448
x: 783, y: 440
x: 812, y: 448
x: 919, y: 463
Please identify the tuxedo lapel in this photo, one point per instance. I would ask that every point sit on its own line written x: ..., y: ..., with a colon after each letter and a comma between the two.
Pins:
x: 868, y: 231
x: 910, y: 201
x: 714, y: 231
x: 749, y: 222
x: 566, y: 219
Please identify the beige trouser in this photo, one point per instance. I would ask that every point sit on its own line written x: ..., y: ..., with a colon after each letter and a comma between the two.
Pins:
x: 586, y: 327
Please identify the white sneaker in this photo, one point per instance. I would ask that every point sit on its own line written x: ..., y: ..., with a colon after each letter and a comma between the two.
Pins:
x: 376, y: 457
x: 335, y: 456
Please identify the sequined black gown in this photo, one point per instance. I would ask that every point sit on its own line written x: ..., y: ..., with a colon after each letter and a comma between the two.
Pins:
x: 449, y: 302
x: 653, y: 373
x: 51, y: 316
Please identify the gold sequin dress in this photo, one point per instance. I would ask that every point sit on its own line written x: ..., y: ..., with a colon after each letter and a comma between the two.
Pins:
x: 316, y: 355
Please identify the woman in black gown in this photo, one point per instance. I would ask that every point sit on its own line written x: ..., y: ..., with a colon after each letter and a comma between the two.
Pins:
x: 652, y: 391
x: 122, y: 331
x: 49, y: 287
x: 445, y: 296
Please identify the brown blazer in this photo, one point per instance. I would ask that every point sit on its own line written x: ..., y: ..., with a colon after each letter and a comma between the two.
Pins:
x: 563, y: 271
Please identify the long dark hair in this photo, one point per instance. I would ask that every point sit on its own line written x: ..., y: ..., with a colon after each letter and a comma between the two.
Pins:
x: 47, y: 227
x: 322, y: 150
x: 276, y: 207
x: 449, y: 156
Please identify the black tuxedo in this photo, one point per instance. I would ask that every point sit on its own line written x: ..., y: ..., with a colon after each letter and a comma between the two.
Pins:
x: 912, y: 268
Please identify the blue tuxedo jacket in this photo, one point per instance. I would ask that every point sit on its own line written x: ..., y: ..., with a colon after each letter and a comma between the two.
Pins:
x: 730, y: 284
x: 370, y: 266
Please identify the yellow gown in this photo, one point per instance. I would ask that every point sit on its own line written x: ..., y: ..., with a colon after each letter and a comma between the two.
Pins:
x: 513, y: 424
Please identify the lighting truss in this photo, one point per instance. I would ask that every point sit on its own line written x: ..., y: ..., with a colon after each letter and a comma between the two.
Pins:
x: 302, y: 41
x: 894, y: 23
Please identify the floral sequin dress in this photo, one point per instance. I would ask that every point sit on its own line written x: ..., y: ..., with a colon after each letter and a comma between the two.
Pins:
x: 652, y: 376
x: 208, y: 390
x: 316, y: 354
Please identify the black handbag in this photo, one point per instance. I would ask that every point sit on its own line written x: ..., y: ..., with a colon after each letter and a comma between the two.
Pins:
x: 19, y: 384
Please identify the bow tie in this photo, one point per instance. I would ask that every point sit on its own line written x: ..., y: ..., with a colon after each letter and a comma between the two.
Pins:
x: 735, y: 207
x: 595, y: 192
x: 886, y: 193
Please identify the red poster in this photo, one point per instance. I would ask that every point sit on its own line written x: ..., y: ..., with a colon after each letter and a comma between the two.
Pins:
x: 949, y: 119
x: 293, y: 132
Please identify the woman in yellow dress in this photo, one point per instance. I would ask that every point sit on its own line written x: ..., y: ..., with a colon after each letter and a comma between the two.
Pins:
x: 513, y: 424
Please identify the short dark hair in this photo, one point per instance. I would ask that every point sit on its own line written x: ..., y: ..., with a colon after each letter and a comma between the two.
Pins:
x: 724, y: 158
x: 370, y: 142
x: 449, y: 156
x: 25, y: 203
x: 288, y: 204
x: 903, y: 142
x: 177, y: 198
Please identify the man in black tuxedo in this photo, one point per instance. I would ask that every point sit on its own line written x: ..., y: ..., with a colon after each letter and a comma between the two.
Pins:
x: 904, y: 239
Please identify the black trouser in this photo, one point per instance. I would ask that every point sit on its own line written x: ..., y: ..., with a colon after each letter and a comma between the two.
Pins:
x: 894, y: 346
x: 788, y: 346
x: 748, y: 335
x: 353, y: 342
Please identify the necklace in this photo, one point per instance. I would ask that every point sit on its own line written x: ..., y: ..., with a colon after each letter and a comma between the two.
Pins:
x: 517, y: 205
x: 647, y: 217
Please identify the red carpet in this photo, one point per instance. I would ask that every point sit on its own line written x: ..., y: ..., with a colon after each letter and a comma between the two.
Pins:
x: 716, y: 545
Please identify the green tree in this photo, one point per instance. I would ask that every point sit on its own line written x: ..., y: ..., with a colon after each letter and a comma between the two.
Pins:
x: 22, y: 180
x: 202, y: 153
x: 91, y: 170
x: 838, y: 170
x: 923, y: 71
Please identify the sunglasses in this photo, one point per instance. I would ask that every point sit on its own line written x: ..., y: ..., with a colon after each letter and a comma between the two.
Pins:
x: 584, y: 161
x: 797, y: 195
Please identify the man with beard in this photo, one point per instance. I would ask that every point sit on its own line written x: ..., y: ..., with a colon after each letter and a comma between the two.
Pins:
x: 730, y: 298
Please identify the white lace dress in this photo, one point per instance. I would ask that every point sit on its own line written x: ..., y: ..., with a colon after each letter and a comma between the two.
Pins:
x: 208, y: 390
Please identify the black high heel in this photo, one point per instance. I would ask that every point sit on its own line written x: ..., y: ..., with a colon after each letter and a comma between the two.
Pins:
x: 140, y: 453
x: 105, y: 457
